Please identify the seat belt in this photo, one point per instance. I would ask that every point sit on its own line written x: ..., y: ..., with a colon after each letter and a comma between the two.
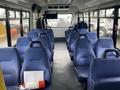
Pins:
x: 2, y: 82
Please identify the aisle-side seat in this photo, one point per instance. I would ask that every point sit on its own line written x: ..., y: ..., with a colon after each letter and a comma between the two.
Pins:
x: 73, y: 44
x: 51, y: 36
x: 10, y: 63
x: 22, y: 45
x: 43, y: 37
x: 73, y: 38
x: 102, y: 45
x: 104, y: 74
x: 82, y: 58
x: 67, y: 36
x: 36, y: 60
x: 49, y: 32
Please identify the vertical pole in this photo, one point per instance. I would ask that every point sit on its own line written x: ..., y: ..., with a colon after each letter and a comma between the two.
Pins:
x: 8, y: 27
x: 115, y: 25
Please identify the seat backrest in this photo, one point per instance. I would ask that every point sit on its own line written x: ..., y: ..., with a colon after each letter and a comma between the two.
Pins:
x: 92, y: 36
x: 83, y: 52
x: 50, y: 34
x: 22, y: 45
x: 67, y: 35
x: 10, y: 63
x: 104, y: 74
x: 36, y: 59
x: 46, y: 44
x: 102, y: 45
x: 73, y: 38
x: 33, y: 35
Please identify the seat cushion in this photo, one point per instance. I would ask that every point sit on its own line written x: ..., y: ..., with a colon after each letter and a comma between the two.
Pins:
x: 82, y: 73
x: 107, y: 84
x: 12, y: 88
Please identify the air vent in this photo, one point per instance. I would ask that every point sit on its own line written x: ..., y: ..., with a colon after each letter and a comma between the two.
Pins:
x: 58, y: 7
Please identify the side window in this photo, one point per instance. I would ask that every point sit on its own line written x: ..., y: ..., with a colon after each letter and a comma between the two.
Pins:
x: 86, y: 17
x: 93, y: 21
x: 106, y: 22
x: 118, y: 32
x: 14, y: 26
x: 25, y: 19
x: 3, y: 33
x: 81, y: 16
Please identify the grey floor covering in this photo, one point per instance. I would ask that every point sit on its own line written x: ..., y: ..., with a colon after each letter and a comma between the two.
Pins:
x: 63, y: 77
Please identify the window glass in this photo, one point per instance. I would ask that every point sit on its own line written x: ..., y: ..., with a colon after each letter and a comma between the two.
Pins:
x: 25, y: 26
x: 11, y: 14
x: 93, y: 24
x: 81, y: 15
x: 109, y: 12
x: 2, y: 13
x: 91, y: 14
x: 14, y: 30
x: 81, y: 19
x: 86, y: 20
x: 95, y: 14
x: 106, y: 26
x: 23, y: 14
x: 27, y: 15
x: 118, y: 35
x: 63, y: 20
x: 102, y: 13
x: 3, y: 34
x: 84, y: 14
x: 17, y: 14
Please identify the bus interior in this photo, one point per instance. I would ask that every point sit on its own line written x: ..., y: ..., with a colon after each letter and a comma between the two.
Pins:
x: 59, y: 44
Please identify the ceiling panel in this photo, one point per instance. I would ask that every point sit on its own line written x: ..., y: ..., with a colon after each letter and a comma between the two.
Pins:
x: 58, y: 1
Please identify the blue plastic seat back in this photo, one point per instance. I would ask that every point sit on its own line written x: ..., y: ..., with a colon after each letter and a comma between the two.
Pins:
x: 22, y: 45
x: 36, y: 59
x: 102, y: 45
x: 33, y: 35
x: 37, y: 30
x: 104, y: 74
x: 92, y: 36
x: 45, y: 40
x: 83, y: 52
x: 50, y: 34
x: 73, y: 38
x: 67, y: 36
x: 47, y: 45
x: 10, y: 63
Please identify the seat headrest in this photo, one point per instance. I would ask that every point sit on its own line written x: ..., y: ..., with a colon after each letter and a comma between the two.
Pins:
x: 23, y: 41
x: 7, y: 53
x: 32, y: 34
x: 106, y: 42
x: 111, y: 52
x: 82, y: 31
x: 43, y: 35
x: 104, y: 68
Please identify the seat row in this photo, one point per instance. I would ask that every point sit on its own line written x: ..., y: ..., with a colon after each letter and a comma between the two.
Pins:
x: 28, y: 56
x: 93, y: 58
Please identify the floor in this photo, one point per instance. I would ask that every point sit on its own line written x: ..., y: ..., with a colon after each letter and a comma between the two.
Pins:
x: 64, y: 77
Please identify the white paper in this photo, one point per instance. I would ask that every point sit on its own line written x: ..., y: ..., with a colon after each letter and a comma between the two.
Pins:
x: 32, y: 78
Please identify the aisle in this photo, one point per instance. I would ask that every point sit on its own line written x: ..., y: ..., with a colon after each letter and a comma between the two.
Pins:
x: 63, y: 77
